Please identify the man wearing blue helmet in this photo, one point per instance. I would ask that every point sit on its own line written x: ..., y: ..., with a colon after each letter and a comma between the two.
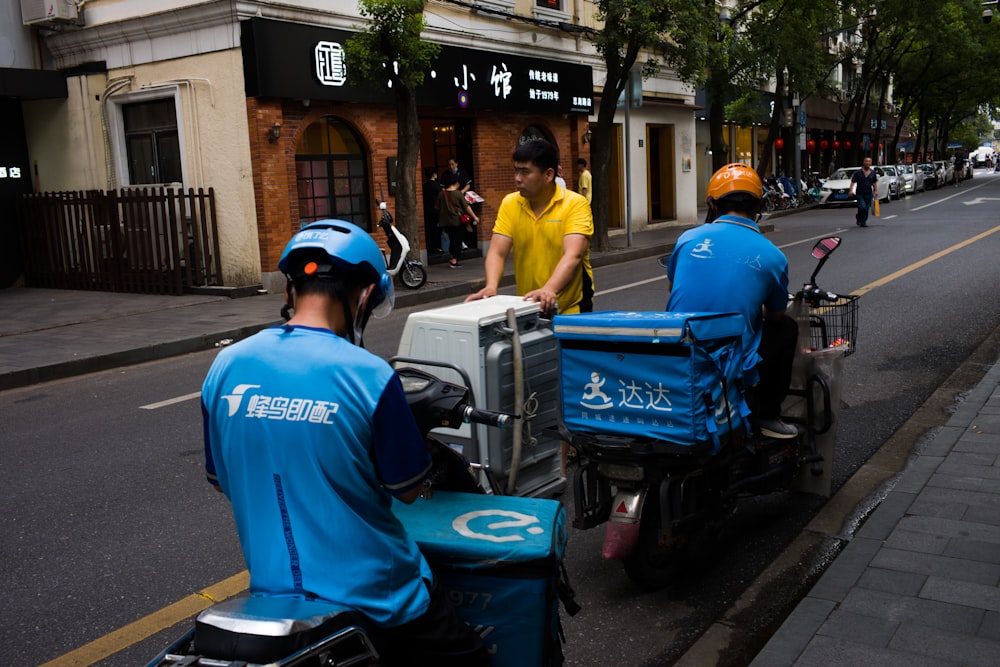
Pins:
x: 310, y: 437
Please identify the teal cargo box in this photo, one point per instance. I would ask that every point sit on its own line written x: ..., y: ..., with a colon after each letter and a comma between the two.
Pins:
x: 499, y: 559
x: 675, y: 377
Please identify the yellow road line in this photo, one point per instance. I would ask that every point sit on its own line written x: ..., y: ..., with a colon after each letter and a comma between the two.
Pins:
x: 924, y: 262
x: 146, y: 627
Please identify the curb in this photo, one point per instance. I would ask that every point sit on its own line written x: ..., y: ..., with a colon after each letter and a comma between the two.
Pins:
x: 198, y: 343
x: 137, y: 355
x: 731, y: 639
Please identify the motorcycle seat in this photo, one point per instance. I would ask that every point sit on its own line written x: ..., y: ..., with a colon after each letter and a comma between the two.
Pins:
x: 266, y: 629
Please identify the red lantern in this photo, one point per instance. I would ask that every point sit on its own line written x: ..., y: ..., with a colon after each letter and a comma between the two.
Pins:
x: 810, y: 146
x: 779, y: 143
x: 823, y: 145
x: 836, y: 144
x: 847, y: 145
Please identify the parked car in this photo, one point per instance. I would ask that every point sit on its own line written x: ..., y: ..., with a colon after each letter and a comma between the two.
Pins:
x: 913, y: 178
x: 836, y: 190
x: 930, y: 172
x: 896, y: 184
x: 946, y: 168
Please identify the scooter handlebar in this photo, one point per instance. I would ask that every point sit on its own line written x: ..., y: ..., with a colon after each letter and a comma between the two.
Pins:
x: 814, y: 294
x: 488, y: 417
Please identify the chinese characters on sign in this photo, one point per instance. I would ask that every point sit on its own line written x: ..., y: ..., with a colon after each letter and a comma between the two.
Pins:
x: 10, y: 172
x: 644, y: 398
x: 473, y: 79
x: 501, y: 81
x: 330, y: 68
x: 538, y: 79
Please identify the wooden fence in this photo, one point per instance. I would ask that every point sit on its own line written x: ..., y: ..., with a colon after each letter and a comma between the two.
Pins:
x: 144, y: 240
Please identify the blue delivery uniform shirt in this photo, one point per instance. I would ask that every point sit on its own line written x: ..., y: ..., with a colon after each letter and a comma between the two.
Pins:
x: 309, y: 467
x: 727, y: 266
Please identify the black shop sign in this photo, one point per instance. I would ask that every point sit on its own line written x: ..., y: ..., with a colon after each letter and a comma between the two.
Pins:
x: 292, y: 60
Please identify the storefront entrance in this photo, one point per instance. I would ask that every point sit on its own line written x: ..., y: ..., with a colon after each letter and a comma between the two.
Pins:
x: 441, y: 140
x: 660, y: 167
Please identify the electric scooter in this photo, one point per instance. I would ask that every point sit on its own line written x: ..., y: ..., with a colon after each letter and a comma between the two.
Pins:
x: 663, y: 496
x: 398, y: 264
x: 498, y: 557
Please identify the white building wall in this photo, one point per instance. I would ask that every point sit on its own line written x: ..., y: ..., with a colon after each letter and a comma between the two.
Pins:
x: 53, y: 125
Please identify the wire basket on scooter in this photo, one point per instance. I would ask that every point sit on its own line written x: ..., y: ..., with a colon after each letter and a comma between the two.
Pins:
x: 835, y: 325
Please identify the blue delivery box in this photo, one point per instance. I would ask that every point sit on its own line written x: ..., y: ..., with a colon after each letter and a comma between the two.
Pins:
x: 499, y: 558
x: 676, y: 377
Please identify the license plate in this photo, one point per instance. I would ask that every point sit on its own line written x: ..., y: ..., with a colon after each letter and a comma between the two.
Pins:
x: 840, y: 195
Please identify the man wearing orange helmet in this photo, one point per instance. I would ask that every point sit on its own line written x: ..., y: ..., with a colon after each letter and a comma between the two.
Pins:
x: 727, y: 266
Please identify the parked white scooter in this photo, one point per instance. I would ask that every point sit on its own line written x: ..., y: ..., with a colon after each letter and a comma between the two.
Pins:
x: 398, y: 264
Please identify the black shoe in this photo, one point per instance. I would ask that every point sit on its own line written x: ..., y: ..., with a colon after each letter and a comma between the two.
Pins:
x: 775, y: 428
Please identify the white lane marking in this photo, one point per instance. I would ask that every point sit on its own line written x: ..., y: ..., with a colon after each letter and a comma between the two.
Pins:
x: 170, y: 401
x: 961, y: 191
x: 664, y: 276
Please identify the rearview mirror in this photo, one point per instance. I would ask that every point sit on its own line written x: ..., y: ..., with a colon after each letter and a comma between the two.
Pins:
x: 825, y: 246
x: 821, y: 251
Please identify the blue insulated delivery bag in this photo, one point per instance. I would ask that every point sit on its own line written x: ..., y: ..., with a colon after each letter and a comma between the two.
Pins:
x: 499, y: 558
x: 669, y: 376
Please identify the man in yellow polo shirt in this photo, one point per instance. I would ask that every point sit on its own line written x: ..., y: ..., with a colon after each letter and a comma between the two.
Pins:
x: 549, y: 230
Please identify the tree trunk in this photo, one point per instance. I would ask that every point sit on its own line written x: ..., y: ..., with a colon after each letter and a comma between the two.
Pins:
x: 408, y: 152
x: 600, y: 156
x: 774, y: 126
x: 716, y: 88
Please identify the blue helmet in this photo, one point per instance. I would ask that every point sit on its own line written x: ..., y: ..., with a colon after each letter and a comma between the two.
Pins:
x: 350, y: 250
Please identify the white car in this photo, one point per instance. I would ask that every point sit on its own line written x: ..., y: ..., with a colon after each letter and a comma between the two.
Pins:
x: 913, y: 178
x: 836, y: 190
x: 894, y: 180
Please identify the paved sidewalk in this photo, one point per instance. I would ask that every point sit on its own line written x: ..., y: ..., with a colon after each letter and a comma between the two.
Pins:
x: 918, y: 583
x: 49, y: 334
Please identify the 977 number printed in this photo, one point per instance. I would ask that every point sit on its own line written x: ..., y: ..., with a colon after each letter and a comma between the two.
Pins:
x: 470, y: 599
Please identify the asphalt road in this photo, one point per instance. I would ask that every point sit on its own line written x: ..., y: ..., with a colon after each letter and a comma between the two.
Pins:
x: 107, y: 518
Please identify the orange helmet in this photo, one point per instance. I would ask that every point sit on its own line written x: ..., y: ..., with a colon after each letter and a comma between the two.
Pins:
x: 734, y: 178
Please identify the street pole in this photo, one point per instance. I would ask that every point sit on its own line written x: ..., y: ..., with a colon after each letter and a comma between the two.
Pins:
x: 628, y: 163
x: 798, y: 131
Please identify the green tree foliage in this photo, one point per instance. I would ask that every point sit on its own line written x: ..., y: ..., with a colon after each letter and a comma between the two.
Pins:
x: 640, y: 35
x: 945, y: 83
x: 389, y: 51
x: 779, y: 41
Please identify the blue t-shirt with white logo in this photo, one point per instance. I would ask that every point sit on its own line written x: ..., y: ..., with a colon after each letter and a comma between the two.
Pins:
x: 727, y: 266
x: 309, y: 436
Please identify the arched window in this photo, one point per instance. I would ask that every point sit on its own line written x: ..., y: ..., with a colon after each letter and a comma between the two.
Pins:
x: 533, y: 132
x: 331, y: 174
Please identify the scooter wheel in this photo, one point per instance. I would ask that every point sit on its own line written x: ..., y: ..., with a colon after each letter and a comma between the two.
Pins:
x: 413, y: 276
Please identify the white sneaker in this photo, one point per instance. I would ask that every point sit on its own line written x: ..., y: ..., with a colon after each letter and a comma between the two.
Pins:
x: 775, y: 428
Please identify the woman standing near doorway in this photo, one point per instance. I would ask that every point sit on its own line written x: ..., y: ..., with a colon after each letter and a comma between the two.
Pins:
x: 452, y: 205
